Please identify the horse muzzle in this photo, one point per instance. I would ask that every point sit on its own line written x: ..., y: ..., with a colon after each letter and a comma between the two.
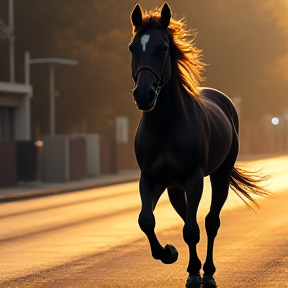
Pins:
x: 146, y: 92
x: 145, y: 100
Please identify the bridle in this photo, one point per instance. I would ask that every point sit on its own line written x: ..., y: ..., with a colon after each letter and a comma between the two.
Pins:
x: 159, y: 82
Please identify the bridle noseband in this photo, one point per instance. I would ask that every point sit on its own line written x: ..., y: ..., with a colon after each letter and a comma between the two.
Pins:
x: 159, y: 79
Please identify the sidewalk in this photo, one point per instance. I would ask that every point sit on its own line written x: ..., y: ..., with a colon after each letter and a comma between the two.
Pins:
x: 34, y: 190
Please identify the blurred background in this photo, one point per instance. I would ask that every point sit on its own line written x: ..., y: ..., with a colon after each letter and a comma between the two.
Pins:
x: 244, y: 42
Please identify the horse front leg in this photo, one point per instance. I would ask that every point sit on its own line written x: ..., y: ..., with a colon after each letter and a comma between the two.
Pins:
x: 191, y: 231
x: 150, y: 192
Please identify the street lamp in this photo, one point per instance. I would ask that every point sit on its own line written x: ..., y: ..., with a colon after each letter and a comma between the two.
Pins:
x: 52, y: 63
x: 275, y: 120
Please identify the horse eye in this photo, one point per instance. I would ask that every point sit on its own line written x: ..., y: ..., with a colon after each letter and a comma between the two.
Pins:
x: 164, y: 49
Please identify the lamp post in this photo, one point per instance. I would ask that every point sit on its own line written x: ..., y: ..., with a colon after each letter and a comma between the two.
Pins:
x: 52, y: 63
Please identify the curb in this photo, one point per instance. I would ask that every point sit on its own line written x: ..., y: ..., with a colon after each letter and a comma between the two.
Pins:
x: 71, y: 187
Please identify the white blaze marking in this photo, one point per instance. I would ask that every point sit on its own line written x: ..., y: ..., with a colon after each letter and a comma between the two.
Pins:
x: 144, y: 41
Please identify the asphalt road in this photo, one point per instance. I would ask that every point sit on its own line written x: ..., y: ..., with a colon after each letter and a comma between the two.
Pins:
x: 91, y: 239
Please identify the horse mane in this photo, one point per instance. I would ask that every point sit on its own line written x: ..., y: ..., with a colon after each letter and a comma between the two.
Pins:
x: 183, y: 51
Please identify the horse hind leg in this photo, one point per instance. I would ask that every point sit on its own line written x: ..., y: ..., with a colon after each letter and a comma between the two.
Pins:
x: 150, y: 193
x: 220, y: 187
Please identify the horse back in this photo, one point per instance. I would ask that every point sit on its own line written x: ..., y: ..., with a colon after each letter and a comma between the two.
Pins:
x: 212, y: 97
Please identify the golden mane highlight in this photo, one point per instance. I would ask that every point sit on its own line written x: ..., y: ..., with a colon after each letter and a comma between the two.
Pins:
x: 182, y: 49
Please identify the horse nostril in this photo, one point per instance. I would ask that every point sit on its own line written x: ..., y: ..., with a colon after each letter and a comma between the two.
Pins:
x: 140, y: 94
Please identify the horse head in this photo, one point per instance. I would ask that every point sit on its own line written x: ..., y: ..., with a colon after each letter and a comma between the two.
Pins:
x: 151, y: 63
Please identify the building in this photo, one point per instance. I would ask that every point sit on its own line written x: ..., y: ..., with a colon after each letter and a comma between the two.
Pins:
x: 14, y: 126
x: 15, y: 111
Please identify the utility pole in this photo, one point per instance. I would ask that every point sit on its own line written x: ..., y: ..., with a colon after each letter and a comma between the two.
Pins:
x: 12, y: 39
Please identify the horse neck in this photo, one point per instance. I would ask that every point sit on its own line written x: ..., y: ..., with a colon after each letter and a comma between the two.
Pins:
x: 172, y: 99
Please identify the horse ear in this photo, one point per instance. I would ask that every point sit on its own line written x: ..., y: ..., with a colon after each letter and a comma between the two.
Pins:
x: 165, y: 15
x: 136, y: 15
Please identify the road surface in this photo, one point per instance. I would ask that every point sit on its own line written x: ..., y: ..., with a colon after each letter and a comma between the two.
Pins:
x: 91, y: 239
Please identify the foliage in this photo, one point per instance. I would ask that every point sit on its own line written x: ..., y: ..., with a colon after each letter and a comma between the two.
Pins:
x: 245, y: 42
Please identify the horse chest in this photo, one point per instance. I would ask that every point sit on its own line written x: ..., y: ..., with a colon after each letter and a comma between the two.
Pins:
x: 165, y: 153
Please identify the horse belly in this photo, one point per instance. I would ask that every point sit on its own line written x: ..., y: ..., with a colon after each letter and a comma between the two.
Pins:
x: 220, y: 144
x: 160, y: 165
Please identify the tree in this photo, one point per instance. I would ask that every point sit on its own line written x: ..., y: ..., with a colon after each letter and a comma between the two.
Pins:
x: 244, y: 42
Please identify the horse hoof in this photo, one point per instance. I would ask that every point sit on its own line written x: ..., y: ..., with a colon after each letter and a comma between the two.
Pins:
x: 170, y: 254
x: 209, y: 281
x: 194, y: 281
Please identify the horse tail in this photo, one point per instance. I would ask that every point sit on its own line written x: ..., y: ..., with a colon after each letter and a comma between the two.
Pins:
x: 246, y: 183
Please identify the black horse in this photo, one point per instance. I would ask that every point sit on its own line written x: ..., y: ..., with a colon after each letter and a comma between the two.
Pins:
x: 191, y: 132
